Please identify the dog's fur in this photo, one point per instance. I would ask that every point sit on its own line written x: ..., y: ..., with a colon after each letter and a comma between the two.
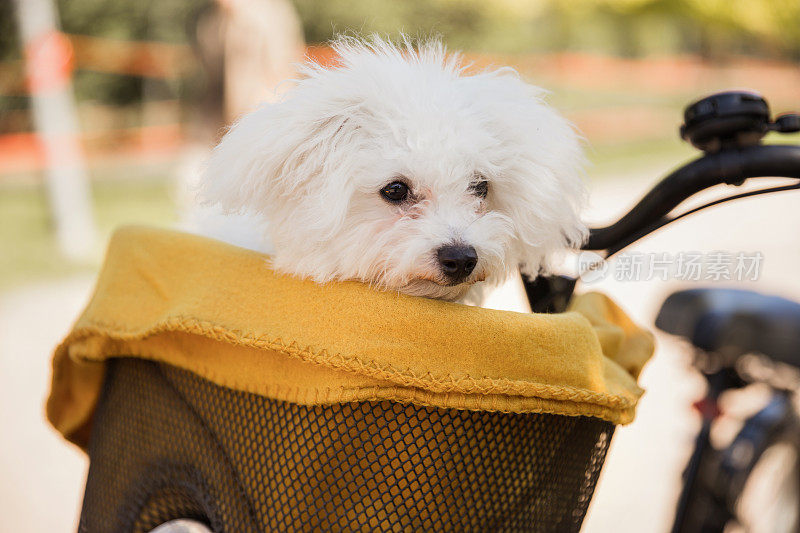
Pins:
x: 307, y: 171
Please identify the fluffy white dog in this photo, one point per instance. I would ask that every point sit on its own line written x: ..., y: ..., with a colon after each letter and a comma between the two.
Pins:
x: 400, y: 168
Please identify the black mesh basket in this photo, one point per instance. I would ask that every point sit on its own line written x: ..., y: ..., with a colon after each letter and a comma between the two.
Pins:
x: 206, y: 386
x: 168, y: 444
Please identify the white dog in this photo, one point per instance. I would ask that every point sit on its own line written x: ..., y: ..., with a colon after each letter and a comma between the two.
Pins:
x: 400, y: 168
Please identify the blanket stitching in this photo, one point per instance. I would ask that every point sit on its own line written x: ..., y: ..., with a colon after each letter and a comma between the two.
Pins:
x: 406, y: 377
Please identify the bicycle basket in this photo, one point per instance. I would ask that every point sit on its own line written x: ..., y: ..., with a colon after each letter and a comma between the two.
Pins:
x: 203, y: 385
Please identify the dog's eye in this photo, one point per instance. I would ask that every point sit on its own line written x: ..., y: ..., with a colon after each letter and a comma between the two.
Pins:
x: 480, y: 188
x: 395, y: 192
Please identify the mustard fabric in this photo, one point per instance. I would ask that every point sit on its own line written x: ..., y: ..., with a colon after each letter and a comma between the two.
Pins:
x: 219, y: 311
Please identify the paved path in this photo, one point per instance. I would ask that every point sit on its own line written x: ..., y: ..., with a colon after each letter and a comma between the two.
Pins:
x: 42, y: 475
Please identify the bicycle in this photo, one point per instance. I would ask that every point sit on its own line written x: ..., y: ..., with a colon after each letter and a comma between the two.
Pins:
x: 740, y: 337
x: 166, y: 441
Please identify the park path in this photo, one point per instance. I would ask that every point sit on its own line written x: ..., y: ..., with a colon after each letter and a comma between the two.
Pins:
x: 43, y: 475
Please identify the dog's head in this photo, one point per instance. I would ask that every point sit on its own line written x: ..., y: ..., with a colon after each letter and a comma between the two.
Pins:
x: 398, y: 168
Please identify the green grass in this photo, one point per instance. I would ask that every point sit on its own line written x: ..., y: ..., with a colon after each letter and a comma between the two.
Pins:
x: 654, y: 155
x: 28, y: 250
x: 568, y: 98
x: 609, y: 160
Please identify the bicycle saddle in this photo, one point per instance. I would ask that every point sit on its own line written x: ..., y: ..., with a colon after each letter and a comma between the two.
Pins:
x: 736, y: 321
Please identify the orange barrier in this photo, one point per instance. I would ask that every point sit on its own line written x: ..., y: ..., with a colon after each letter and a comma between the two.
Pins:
x: 49, y: 61
x: 21, y: 153
x: 63, y: 53
x: 132, y: 58
x: 666, y: 75
x: 676, y: 76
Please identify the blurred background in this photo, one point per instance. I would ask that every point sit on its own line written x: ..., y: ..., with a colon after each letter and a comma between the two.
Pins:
x: 108, y: 108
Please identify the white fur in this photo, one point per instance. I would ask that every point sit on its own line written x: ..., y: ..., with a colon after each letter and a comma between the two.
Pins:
x: 309, y: 169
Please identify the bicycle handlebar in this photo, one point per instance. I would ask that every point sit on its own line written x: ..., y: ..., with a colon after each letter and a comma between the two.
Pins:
x: 731, y: 166
x: 551, y: 294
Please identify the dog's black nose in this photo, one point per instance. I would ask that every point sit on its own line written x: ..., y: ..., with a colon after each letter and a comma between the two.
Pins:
x: 457, y: 261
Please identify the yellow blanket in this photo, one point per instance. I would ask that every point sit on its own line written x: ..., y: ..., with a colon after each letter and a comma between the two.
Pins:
x: 219, y: 311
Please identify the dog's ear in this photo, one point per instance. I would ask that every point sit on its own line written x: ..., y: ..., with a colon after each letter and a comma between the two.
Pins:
x: 551, y: 175
x: 273, y: 156
x: 539, y: 183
